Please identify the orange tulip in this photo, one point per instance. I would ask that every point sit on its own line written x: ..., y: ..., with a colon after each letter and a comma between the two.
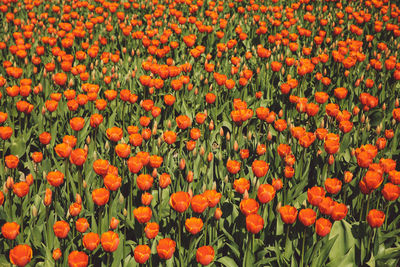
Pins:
x: 193, y: 225
x: 288, y: 214
x: 91, y: 241
x: 61, y: 229
x: 166, y: 248
x: 78, y: 259
x: 205, y: 255
x: 21, y: 255
x: 21, y: 189
x: 254, y: 223
x: 180, y: 201
x: 10, y: 230
x: 142, y: 253
x: 100, y: 196
x: 249, y: 206
x: 109, y: 241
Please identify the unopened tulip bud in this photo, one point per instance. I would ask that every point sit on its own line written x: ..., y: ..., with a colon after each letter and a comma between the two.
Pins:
x: 362, y: 118
x: 348, y: 177
x: 121, y: 199
x: 236, y: 146
x: 269, y: 136
x: 221, y: 131
x: 154, y: 174
x: 194, y: 152
x: 210, y: 157
x: 249, y: 135
x: 34, y: 211
x: 246, y: 194
x: 9, y: 182
x: 190, y: 192
x: 169, y: 124
x: 384, y: 106
x: 228, y: 136
x: 159, y: 141
x: 331, y: 160
x: 211, y: 125
x: 84, y: 184
x: 202, y: 151
x: 78, y: 198
x: 154, y: 131
x: 396, y: 103
x: 280, y: 114
x: 368, y: 126
x: 114, y: 223
x: 107, y: 145
x: 378, y: 129
x: 189, y: 177
x: 182, y: 164
x: 226, y: 179
x: 125, y: 212
x: 218, y: 213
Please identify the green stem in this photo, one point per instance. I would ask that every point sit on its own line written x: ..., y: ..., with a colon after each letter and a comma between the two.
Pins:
x: 386, y: 215
x: 366, y: 213
x: 108, y: 258
x: 302, y: 249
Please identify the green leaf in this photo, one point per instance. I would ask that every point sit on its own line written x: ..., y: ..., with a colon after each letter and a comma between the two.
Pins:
x: 228, y: 262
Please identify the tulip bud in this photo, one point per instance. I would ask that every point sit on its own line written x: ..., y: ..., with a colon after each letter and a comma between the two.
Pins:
x: 280, y: 114
x: 331, y: 160
x: 249, y: 134
x: 396, y: 103
x: 169, y: 124
x: 154, y: 173
x: 121, y: 199
x: 78, y: 199
x: 107, y: 145
x: 34, y: 211
x: 218, y: 213
x: 154, y: 132
x: 269, y: 136
x: 182, y: 163
x: 221, y: 131
x: 189, y: 177
x: 114, y: 223
x: 348, y: 177
x: 84, y: 184
x: 384, y: 106
x: 246, y: 194
x: 9, y: 182
x: 226, y: 179
x: 362, y: 118
x: 202, y: 151
x: 210, y: 156
x: 190, y: 192
x: 194, y: 152
x: 211, y: 125
x: 278, y: 206
x: 228, y: 136
x: 125, y: 212
x: 236, y: 146
x: 378, y: 129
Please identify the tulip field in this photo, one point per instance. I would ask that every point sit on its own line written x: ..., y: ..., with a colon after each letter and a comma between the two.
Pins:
x: 199, y: 133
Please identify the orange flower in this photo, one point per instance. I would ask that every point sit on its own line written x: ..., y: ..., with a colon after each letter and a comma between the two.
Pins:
x: 96, y: 120
x: 144, y: 182
x: 63, y: 150
x: 254, y: 223
x: 156, y: 161
x: 339, y: 211
x: 109, y: 241
x: 249, y: 206
x: 44, y: 137
x: 333, y: 185
x: 199, y: 203
x: 114, y: 134
x: 1, y: 198
x: 375, y: 218
x: 164, y: 180
x: 265, y: 193
x: 340, y: 93
x: 387, y: 164
x: 151, y: 230
x: 259, y: 168
x: 78, y: 259
x: 183, y: 122
x: 180, y: 201
x: 123, y: 150
x: 307, y: 216
x: 21, y: 255
x: 55, y: 178
x: 135, y: 139
x: 134, y: 164
x: 10, y: 230
x: 364, y: 159
x: 70, y: 140
x: 142, y: 253
x: 205, y: 255
x: 323, y: 227
x: 391, y: 192
x: 394, y: 177
x: 331, y: 146
x: 78, y: 156
x: 142, y: 214
x: 233, y: 166
x: 280, y: 125
x: 213, y: 197
x: 100, y: 166
x: 112, y: 182
x: 77, y: 123
x: 37, y: 157
x: 60, y: 78
x: 284, y: 150
x: 57, y: 254
x: 21, y: 189
x: 11, y: 161
x: 193, y: 225
x: 315, y: 195
x: 169, y: 137
x: 81, y: 225
x: 61, y: 229
x: 91, y: 241
x: 166, y: 248
x: 373, y: 179
x: 100, y: 196
x: 288, y: 214
x: 241, y: 185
